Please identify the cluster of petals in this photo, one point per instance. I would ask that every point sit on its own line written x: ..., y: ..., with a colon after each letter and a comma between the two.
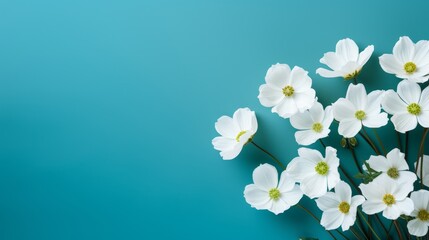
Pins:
x: 419, y: 225
x: 423, y: 171
x: 235, y: 132
x: 268, y: 193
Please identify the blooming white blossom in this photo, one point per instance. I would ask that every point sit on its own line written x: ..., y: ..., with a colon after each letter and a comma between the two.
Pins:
x: 408, y: 61
x: 313, y: 124
x: 287, y: 91
x: 346, y: 61
x: 425, y: 169
x: 315, y: 173
x: 419, y: 226
x: 408, y: 106
x: 387, y: 195
x: 235, y: 132
x: 359, y: 109
x: 339, y: 208
x: 269, y: 193
x: 393, y: 166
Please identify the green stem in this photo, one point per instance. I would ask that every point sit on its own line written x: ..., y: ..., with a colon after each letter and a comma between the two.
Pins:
x: 382, y: 225
x: 316, y: 218
x: 369, y: 225
x: 356, y: 160
x: 397, y: 229
x: 269, y: 154
x: 406, y: 146
x: 355, y: 80
x: 398, y: 135
x: 370, y: 143
x: 355, y: 233
x: 323, y: 144
x: 379, y: 141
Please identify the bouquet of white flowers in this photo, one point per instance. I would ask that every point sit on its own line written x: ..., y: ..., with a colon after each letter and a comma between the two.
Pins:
x: 384, y: 182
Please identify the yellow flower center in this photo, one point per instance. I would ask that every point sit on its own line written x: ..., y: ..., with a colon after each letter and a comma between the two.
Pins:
x: 239, y: 135
x: 322, y: 168
x: 414, y: 109
x: 423, y: 215
x: 393, y: 173
x: 274, y: 194
x: 344, y: 207
x: 361, y: 115
x: 389, y: 199
x: 352, y: 75
x: 288, y: 91
x: 317, y: 127
x: 410, y: 67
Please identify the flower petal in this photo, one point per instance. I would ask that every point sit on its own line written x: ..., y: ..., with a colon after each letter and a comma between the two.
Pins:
x: 356, y: 94
x: 278, y: 75
x: 424, y: 99
x: 376, y: 121
x: 393, y: 104
x: 255, y: 196
x: 328, y: 201
x: 409, y: 91
x: 244, y: 118
x: 286, y: 108
x: 227, y: 127
x: 306, y: 137
x: 390, y: 64
x: 300, y: 80
x: 328, y: 73
x: 314, y: 186
x: 423, y: 119
x: 286, y: 182
x: 343, y: 109
x: 373, y: 104
x: 365, y: 55
x: 302, y: 121
x: 305, y: 100
x: 332, y: 219
x: 347, y: 50
x: 373, y: 207
x: 279, y: 206
x: 292, y: 197
x: 404, y: 122
x: 417, y: 228
x: 349, y: 128
x: 311, y: 155
x: 344, y: 192
x: 265, y: 177
x: 270, y: 96
x: 332, y: 60
x: 404, y: 49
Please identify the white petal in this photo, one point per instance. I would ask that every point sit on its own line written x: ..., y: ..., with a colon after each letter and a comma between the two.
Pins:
x: 424, y: 99
x: 305, y: 100
x: 373, y: 105
x: 278, y: 75
x: 265, y: 177
x: 286, y: 108
x: 397, y: 158
x: 402, y: 190
x: 343, y: 109
x: 292, y: 197
x: 328, y: 201
x: 327, y: 73
x: 300, y: 80
x: 372, y: 191
x: 232, y: 153
x: 365, y: 55
x: 409, y: 91
x: 372, y: 207
x: 392, y: 103
x: 278, y: 207
x: 226, y: 127
x: 390, y: 64
x: 300, y: 168
x: 375, y: 121
x: 314, y: 186
x: 420, y: 199
x: 357, y: 200
x: 392, y: 212
x: 348, y: 221
x: 423, y: 119
x: 404, y: 122
x: 269, y: 96
x: 417, y: 228
x: 331, y: 157
x: 421, y: 56
x: 255, y: 196
x: 379, y: 163
x: 306, y: 137
x: 356, y: 94
x: 329, y: 117
x: 311, y: 155
x: 347, y: 49
x: 344, y: 192
x: 244, y: 118
x: 333, y: 61
x: 302, y: 121
x: 332, y: 219
x: 404, y: 49
x: 406, y: 206
x: 333, y: 178
x: 286, y: 182
x: 349, y: 68
x: 316, y: 112
x: 349, y: 128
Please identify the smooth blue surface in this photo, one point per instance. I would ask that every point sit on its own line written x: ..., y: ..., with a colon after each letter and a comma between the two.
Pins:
x: 107, y: 110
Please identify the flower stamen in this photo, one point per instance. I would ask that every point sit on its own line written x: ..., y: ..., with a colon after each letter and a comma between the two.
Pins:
x: 317, y: 127
x: 274, y: 194
x: 393, y: 173
x: 414, y: 109
x: 360, y: 115
x: 288, y: 91
x: 423, y: 215
x: 239, y: 135
x: 344, y: 207
x: 410, y: 67
x: 322, y: 168
x: 352, y: 75
x: 389, y: 199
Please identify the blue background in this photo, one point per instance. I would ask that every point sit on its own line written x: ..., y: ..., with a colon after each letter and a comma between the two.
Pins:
x: 107, y: 110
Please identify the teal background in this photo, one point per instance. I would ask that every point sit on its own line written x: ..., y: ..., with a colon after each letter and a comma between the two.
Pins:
x: 107, y: 110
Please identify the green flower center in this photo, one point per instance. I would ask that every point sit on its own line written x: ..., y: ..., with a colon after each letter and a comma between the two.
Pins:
x: 410, y: 67
x: 288, y: 91
x: 239, y: 135
x: 389, y: 199
x: 361, y: 115
x: 414, y: 109
x: 322, y: 168
x: 393, y: 173
x: 344, y: 207
x: 423, y: 215
x: 352, y: 75
x: 274, y: 194
x: 317, y: 127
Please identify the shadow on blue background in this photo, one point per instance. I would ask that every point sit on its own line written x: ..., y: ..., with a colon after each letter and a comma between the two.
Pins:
x: 107, y: 110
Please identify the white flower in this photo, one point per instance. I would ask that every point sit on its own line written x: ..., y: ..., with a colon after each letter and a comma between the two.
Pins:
x: 409, y: 106
x: 268, y: 193
x: 425, y: 169
x: 315, y: 173
x: 313, y: 124
x: 346, y: 61
x: 387, y: 195
x: 419, y: 226
x: 393, y: 166
x: 409, y: 61
x: 288, y: 92
x: 235, y: 132
x: 359, y: 109
x: 339, y: 208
